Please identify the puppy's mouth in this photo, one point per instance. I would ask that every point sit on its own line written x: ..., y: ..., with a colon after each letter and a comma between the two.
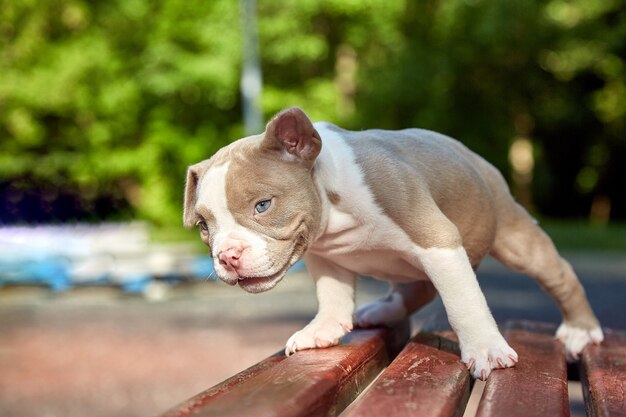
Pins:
x: 256, y: 284
x: 261, y: 283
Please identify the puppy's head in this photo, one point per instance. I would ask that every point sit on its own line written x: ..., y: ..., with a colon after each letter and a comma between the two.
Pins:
x: 255, y: 202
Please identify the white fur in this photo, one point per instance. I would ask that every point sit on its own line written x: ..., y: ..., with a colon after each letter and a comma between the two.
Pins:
x: 453, y: 276
x: 337, y: 171
x: 360, y: 238
x: 212, y: 193
x: 575, y: 338
x: 479, y: 338
x: 358, y: 235
x: 335, y: 295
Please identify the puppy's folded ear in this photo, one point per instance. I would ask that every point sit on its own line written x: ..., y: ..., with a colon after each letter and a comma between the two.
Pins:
x: 194, y: 173
x: 292, y: 133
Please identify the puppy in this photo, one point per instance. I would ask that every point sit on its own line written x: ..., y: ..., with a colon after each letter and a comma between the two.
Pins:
x: 412, y: 207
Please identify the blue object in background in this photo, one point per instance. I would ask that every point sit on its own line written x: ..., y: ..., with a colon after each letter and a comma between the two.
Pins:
x: 64, y: 257
x: 51, y: 271
x: 136, y: 284
x: 202, y: 268
x: 298, y: 267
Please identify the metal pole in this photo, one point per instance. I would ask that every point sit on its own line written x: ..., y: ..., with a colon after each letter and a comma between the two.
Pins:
x: 251, y: 83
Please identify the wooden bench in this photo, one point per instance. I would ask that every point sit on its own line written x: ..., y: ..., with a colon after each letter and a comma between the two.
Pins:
x: 367, y: 375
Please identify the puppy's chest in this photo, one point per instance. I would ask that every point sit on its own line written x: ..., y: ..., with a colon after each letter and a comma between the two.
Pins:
x: 367, y: 245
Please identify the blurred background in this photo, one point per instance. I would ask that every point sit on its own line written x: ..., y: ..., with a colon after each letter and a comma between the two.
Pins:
x: 103, y: 105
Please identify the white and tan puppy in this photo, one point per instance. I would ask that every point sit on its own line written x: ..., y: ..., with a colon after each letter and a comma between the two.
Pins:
x: 411, y: 207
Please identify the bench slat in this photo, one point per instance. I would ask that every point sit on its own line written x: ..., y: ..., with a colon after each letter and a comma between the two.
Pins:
x: 422, y: 381
x: 537, y: 385
x: 604, y: 376
x: 199, y: 401
x: 317, y: 382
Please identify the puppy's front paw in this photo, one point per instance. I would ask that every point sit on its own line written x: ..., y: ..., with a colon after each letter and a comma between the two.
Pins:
x: 576, y: 338
x: 481, y: 358
x: 385, y: 312
x: 322, y: 332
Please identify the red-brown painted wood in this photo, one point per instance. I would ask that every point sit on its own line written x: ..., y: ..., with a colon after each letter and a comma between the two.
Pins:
x: 201, y: 400
x: 424, y: 380
x: 317, y: 382
x: 537, y: 385
x: 604, y: 376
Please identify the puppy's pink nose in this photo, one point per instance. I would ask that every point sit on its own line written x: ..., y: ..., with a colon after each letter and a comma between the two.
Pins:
x: 229, y: 258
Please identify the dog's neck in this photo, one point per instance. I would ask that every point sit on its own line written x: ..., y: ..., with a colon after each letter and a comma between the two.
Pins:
x: 336, y: 175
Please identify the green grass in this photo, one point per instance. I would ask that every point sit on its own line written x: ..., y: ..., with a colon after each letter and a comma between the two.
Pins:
x: 583, y: 235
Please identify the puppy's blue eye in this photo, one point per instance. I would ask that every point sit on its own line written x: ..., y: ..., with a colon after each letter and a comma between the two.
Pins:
x: 203, y: 226
x: 262, y: 206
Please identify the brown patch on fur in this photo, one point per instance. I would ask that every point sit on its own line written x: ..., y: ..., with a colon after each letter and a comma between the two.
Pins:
x: 447, y: 202
x: 262, y: 171
x: 259, y: 171
x: 203, y: 214
x: 414, y: 294
x: 276, y: 166
x: 522, y: 246
x: 454, y: 197
x: 194, y: 175
x: 253, y: 177
x: 333, y: 197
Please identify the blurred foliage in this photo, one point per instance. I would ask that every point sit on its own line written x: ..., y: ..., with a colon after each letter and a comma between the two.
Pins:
x: 585, y: 236
x: 103, y: 104
x: 115, y: 98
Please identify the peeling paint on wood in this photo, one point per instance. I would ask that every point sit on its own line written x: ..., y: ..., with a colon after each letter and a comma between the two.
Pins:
x: 316, y: 382
x: 604, y: 376
x: 536, y: 386
x: 426, y: 379
x: 421, y: 381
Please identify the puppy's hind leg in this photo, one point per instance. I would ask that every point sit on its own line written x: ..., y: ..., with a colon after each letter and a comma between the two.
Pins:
x: 401, y: 302
x: 522, y: 246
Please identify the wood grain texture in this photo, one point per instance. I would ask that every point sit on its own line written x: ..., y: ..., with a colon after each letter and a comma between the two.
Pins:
x: 537, y: 385
x: 604, y: 376
x: 204, y: 398
x: 426, y: 379
x: 317, y: 382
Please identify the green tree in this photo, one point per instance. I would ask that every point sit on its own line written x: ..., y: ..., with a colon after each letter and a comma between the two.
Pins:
x: 104, y: 104
x: 115, y: 98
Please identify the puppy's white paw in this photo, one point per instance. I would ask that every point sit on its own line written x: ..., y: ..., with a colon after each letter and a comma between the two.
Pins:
x: 576, y: 338
x: 322, y: 332
x: 385, y: 312
x: 481, y: 358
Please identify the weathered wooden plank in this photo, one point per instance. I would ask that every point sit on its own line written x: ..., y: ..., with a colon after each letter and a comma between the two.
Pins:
x: 201, y: 400
x: 317, y: 382
x: 604, y: 376
x: 425, y: 379
x: 537, y: 385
